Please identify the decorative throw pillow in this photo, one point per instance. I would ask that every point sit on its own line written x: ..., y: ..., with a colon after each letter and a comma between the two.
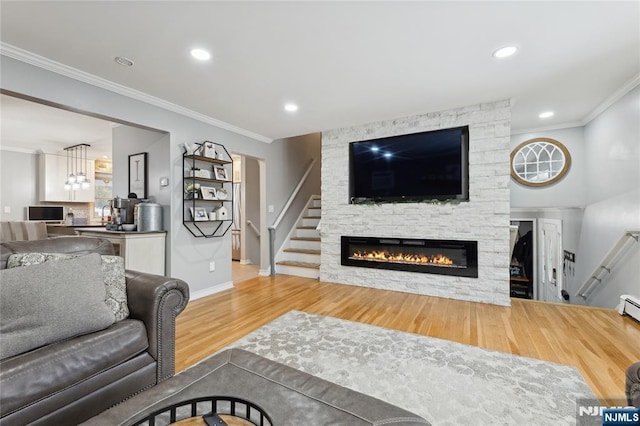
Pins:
x: 42, y: 305
x: 112, y: 268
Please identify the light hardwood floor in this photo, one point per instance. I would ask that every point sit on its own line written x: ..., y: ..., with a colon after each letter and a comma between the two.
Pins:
x: 598, y: 342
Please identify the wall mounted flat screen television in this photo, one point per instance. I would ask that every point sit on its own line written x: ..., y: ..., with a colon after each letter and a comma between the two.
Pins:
x: 413, y: 167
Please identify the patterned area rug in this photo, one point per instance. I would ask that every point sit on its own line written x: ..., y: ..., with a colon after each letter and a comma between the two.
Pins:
x: 447, y: 383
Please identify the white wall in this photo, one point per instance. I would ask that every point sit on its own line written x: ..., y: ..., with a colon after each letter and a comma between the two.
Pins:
x: 570, y: 191
x: 189, y: 256
x: 484, y: 218
x: 18, y: 183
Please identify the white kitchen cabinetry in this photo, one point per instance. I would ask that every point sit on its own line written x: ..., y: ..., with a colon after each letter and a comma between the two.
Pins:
x: 142, y: 251
x: 53, y: 174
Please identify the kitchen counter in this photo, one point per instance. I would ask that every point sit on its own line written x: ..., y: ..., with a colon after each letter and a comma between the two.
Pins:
x: 77, y: 229
x: 142, y: 251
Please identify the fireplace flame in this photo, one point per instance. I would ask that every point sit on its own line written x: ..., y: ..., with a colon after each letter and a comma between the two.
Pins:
x: 386, y: 256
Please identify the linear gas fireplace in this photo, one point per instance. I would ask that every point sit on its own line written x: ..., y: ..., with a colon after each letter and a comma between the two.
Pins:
x: 445, y: 257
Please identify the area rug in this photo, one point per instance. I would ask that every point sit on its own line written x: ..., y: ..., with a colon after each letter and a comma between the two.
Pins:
x: 445, y: 382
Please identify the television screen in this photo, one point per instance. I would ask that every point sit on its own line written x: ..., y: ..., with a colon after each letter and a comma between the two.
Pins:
x: 413, y: 167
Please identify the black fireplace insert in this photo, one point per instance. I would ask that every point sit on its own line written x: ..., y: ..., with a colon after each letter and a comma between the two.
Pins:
x: 444, y: 257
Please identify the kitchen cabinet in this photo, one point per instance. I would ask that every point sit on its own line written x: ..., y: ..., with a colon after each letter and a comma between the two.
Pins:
x: 142, y: 251
x: 53, y: 173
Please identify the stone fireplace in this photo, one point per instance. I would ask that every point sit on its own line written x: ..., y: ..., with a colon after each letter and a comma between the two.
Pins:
x: 483, y: 219
x: 443, y: 257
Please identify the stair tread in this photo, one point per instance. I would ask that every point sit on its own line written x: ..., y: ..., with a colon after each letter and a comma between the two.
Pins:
x: 311, y: 217
x: 299, y: 264
x: 305, y: 251
x: 305, y: 239
x: 305, y: 227
x: 314, y: 208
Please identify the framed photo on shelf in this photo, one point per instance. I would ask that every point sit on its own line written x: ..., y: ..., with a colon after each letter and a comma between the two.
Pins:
x: 138, y: 176
x: 209, y: 149
x: 220, y: 173
x: 199, y: 214
x: 208, y: 193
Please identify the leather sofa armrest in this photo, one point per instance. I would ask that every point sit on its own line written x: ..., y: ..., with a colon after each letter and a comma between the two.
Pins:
x: 157, y: 300
x: 632, y: 385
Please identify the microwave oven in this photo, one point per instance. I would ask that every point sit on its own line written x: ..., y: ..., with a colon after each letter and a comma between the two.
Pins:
x: 46, y: 213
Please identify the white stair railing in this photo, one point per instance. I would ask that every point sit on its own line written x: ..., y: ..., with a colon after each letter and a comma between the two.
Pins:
x: 609, y: 261
x: 272, y: 228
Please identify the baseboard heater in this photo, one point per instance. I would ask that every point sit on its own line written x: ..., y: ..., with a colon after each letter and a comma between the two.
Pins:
x: 629, y: 305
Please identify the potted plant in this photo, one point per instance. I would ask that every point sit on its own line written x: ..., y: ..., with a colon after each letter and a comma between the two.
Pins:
x: 192, y: 190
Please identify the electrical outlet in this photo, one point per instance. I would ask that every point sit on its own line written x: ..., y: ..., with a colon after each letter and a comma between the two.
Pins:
x: 270, y: 208
x: 212, y: 266
x: 7, y: 209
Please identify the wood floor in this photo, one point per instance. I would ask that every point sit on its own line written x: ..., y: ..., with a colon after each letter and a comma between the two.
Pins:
x: 598, y: 342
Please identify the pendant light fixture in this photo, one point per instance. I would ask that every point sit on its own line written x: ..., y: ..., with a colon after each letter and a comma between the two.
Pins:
x: 77, y: 167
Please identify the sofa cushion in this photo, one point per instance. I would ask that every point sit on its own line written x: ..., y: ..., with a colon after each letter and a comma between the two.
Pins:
x: 112, y: 273
x: 32, y: 376
x: 79, y: 245
x: 50, y: 302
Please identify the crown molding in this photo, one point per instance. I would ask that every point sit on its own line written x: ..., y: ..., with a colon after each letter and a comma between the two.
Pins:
x: 626, y: 88
x: 76, y: 74
x: 558, y: 126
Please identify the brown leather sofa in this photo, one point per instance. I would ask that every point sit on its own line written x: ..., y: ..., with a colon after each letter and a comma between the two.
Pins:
x: 70, y: 381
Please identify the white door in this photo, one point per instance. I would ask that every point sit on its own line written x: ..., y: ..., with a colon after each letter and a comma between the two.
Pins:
x: 550, y: 255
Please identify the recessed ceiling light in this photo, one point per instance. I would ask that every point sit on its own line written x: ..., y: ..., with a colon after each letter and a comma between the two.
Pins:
x: 504, y: 52
x: 291, y: 107
x: 125, y: 62
x: 546, y: 114
x: 200, y: 54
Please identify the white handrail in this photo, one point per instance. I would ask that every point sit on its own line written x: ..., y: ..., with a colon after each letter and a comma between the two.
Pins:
x: 607, y: 263
x: 293, y: 194
x: 253, y: 227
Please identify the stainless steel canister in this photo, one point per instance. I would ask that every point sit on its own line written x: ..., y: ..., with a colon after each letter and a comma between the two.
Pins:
x: 149, y: 217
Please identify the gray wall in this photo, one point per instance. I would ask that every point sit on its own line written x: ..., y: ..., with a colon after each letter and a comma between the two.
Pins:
x: 252, y: 197
x: 189, y: 256
x: 612, y: 142
x: 570, y: 191
x: 297, y: 153
x: 18, y: 183
x: 597, y: 201
x: 613, y: 159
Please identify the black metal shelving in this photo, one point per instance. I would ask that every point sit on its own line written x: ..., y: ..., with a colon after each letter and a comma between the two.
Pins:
x: 191, y: 163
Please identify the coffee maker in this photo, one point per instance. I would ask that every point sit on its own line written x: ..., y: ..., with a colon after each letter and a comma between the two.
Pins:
x: 123, y: 212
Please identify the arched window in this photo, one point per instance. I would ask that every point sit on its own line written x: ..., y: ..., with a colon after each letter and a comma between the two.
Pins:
x: 540, y: 162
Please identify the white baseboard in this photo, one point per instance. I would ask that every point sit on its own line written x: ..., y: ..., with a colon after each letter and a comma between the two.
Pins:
x: 211, y: 290
x: 264, y: 272
x: 246, y: 262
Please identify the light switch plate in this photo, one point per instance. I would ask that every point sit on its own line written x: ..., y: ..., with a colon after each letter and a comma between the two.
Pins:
x: 270, y: 208
x: 164, y: 181
x: 7, y: 209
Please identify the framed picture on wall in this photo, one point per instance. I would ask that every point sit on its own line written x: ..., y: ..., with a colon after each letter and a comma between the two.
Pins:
x: 138, y: 175
x: 208, y: 193
x: 220, y: 173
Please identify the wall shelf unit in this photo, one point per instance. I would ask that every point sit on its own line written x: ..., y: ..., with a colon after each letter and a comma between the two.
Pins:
x: 207, y: 207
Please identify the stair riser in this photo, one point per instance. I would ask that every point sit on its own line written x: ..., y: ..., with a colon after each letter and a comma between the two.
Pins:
x: 307, y: 233
x: 298, y: 272
x: 314, y: 212
x: 301, y: 257
x: 316, y: 203
x: 307, y: 245
x: 310, y: 222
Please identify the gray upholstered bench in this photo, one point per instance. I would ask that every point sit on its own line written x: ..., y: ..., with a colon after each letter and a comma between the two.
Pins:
x: 288, y: 396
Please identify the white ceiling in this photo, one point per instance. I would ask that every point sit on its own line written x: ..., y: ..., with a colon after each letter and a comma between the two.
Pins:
x: 344, y: 63
x: 30, y: 126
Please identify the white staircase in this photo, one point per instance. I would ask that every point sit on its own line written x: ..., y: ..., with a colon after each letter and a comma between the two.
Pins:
x: 301, y: 253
